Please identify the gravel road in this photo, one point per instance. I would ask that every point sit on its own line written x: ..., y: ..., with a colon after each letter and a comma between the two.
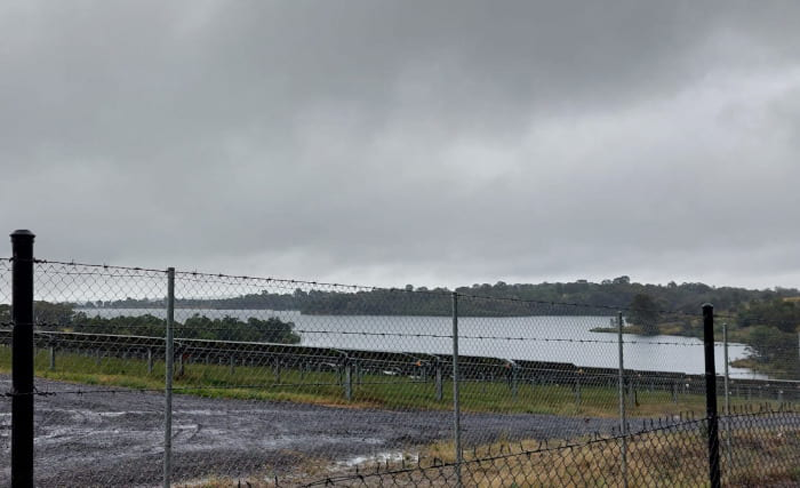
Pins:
x: 116, y: 438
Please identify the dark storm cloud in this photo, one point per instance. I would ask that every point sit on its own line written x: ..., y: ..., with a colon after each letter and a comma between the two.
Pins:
x: 440, y: 142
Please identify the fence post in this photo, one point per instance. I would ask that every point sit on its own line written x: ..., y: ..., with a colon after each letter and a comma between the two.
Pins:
x: 52, y: 354
x: 456, y: 406
x: 169, y: 359
x: 514, y: 381
x: 727, y: 378
x: 348, y: 380
x: 622, y: 420
x: 728, y: 453
x: 632, y: 392
x: 149, y: 360
x: 439, y: 388
x: 711, y: 396
x: 22, y: 359
x: 181, y: 368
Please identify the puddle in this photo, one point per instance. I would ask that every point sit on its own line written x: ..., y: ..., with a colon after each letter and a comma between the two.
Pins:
x: 379, y: 458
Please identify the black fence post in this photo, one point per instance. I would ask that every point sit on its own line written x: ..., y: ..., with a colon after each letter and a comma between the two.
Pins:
x: 22, y: 359
x: 711, y: 396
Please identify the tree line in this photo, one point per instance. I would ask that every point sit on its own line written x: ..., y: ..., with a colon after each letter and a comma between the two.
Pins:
x: 62, y: 317
x: 766, y: 320
x: 509, y: 299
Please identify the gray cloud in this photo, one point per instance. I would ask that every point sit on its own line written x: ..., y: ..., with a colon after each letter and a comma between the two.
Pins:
x: 385, y: 142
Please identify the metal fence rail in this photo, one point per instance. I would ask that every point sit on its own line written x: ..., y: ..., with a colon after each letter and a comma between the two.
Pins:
x: 148, y: 377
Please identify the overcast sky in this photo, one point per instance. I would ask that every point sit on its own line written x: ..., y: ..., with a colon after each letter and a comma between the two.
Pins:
x: 384, y: 143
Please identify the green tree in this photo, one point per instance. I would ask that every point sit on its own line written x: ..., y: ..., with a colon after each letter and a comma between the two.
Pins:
x: 778, y: 313
x: 770, y: 345
x: 643, y: 311
x: 52, y: 316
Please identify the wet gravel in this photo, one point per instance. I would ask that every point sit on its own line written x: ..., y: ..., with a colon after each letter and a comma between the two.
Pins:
x: 105, y: 438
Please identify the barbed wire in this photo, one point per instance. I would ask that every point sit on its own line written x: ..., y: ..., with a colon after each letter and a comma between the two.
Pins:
x: 205, y: 277
x: 358, y: 366
x: 102, y: 266
x: 180, y: 328
x: 211, y: 277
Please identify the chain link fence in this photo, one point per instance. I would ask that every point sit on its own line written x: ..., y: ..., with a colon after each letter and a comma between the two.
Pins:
x: 5, y: 358
x: 767, y: 449
x: 291, y: 383
x: 99, y: 411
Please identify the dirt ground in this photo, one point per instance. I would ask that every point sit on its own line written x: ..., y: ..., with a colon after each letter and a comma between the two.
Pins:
x: 107, y: 437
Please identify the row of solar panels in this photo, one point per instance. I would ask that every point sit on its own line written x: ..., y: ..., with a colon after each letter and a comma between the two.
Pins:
x: 411, y: 364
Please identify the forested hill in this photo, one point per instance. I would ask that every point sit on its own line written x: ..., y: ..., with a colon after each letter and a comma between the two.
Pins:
x: 615, y: 293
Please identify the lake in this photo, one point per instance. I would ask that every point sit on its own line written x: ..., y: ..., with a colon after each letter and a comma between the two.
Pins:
x: 543, y: 338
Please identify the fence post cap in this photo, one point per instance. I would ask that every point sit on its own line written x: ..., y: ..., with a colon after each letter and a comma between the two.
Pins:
x: 22, y: 233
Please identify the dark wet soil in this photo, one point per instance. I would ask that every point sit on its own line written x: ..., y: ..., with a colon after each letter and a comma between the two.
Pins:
x: 109, y: 437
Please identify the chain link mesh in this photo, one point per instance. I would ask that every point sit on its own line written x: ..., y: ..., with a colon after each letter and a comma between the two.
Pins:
x: 99, y: 406
x: 5, y: 363
x: 327, y: 389
x: 282, y: 382
x: 766, y: 451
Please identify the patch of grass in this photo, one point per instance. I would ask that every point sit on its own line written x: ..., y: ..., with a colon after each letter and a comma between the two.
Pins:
x: 369, y: 390
x: 669, y: 457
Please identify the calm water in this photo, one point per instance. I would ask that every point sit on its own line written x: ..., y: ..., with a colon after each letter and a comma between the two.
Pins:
x: 544, y: 338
